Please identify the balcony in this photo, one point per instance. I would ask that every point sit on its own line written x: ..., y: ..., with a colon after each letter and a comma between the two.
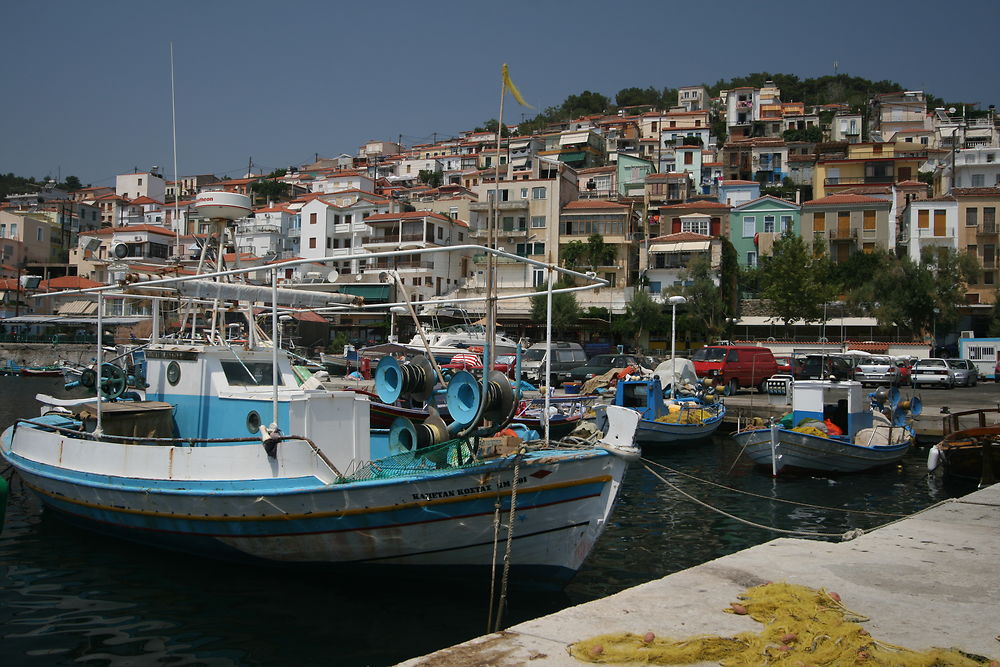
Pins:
x: 294, y: 232
x: 988, y: 229
x: 520, y: 204
x: 481, y: 260
x: 858, y: 180
x: 258, y: 229
x: 843, y: 235
x: 399, y: 266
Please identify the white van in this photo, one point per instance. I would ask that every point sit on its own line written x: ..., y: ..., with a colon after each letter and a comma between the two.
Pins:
x: 565, y: 357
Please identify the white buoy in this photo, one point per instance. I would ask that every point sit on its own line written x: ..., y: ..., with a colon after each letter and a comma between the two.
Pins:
x: 224, y: 205
x: 933, y: 459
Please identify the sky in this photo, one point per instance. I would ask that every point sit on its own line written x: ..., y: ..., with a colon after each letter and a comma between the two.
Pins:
x: 87, y: 85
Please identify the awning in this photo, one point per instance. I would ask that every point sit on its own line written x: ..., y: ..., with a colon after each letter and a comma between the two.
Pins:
x: 370, y: 293
x: 575, y: 156
x: 78, y: 308
x: 680, y: 246
x: 57, y: 320
x: 574, y: 138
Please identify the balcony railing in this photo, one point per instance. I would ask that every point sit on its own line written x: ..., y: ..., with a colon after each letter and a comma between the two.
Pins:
x: 858, y: 180
x: 481, y: 259
x: 294, y: 231
x: 843, y: 234
x: 382, y: 266
x: 987, y: 228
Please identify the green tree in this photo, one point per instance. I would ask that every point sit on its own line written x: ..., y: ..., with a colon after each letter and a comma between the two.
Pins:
x: 267, y: 189
x: 565, y: 311
x: 633, y: 97
x: 794, y: 281
x: 642, y: 315
x: 600, y: 253
x: 585, y: 104
x: 430, y: 177
x: 993, y: 328
x: 709, y: 307
x: 71, y: 183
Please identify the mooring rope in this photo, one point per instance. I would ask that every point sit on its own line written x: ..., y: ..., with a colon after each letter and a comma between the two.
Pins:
x: 510, y: 539
x: 493, y: 561
x: 779, y: 500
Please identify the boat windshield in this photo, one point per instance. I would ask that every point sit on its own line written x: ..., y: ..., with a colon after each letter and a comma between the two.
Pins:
x: 709, y: 354
x: 249, y: 374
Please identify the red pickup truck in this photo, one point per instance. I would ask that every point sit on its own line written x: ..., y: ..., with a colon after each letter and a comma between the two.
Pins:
x: 735, y: 366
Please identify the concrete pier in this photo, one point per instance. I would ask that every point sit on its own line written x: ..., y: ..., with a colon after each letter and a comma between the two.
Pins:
x: 929, y: 580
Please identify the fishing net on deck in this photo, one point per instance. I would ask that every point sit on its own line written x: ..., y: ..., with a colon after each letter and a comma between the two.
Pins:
x: 696, y: 416
x: 802, y: 626
x: 447, y: 455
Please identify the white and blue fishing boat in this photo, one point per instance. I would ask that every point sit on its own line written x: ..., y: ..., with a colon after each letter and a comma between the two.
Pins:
x: 683, y: 418
x: 833, y: 427
x: 227, y: 456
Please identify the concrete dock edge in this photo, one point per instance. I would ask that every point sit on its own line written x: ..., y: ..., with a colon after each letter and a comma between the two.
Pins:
x: 930, y: 580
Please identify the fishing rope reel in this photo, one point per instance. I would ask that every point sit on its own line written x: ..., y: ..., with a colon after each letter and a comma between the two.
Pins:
x: 897, y: 409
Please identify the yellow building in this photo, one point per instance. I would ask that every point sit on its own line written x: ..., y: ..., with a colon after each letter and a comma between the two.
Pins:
x: 866, y: 164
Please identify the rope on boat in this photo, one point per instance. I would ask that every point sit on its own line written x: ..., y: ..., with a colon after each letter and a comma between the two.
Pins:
x: 780, y: 500
x: 493, y: 561
x: 511, y: 516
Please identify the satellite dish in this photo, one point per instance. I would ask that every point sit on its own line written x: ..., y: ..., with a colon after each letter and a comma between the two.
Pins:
x: 332, y: 276
x: 120, y: 250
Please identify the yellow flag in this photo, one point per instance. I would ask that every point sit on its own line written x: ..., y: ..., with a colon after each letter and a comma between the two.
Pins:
x: 509, y: 85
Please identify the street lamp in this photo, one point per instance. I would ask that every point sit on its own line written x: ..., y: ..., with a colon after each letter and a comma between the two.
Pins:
x: 674, y: 300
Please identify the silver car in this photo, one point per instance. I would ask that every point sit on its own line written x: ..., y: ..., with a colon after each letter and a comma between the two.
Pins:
x: 964, y: 372
x: 877, y: 370
x: 932, y: 371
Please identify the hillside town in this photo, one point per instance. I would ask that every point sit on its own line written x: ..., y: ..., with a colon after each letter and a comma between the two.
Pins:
x: 636, y: 196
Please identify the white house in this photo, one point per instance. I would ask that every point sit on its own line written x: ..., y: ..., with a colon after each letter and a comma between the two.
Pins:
x: 930, y: 223
x: 141, y: 184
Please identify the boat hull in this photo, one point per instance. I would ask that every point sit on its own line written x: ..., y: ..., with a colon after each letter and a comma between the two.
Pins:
x: 654, y: 432
x: 809, y: 452
x: 442, y: 519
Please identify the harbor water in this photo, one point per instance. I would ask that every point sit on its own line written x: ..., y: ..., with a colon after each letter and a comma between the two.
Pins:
x: 68, y: 597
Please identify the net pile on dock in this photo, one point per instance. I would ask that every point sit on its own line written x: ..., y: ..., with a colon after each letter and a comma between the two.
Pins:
x: 802, y: 626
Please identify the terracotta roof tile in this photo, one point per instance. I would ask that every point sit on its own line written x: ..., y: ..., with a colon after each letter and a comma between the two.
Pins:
x: 592, y: 204
x: 704, y: 203
x: 839, y: 199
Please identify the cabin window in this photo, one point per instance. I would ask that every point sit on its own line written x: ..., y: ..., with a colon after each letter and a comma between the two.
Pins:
x: 249, y: 374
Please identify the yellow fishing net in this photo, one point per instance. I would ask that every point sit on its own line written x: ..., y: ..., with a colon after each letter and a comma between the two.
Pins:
x: 802, y: 627
x: 686, y: 417
x: 810, y: 430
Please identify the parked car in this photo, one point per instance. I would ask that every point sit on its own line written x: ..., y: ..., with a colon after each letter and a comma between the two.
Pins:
x: 877, y: 370
x: 824, y: 366
x: 735, y: 366
x: 603, y: 363
x: 904, y: 365
x: 565, y: 357
x: 933, y: 372
x: 964, y: 372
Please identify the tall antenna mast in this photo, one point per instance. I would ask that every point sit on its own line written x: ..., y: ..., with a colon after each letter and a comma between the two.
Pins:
x: 177, y: 183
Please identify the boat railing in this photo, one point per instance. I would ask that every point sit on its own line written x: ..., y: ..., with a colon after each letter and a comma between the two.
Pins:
x: 190, y: 442
x: 952, y: 422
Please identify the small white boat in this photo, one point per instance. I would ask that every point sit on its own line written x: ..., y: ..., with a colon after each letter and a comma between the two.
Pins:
x: 866, y: 438
x: 446, y: 343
